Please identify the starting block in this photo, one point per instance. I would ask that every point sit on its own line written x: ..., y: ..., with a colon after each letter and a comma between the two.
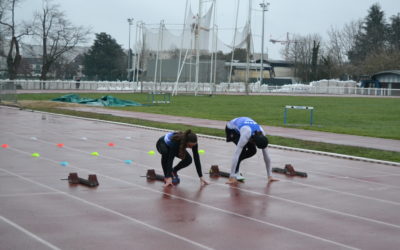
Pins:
x: 90, y: 182
x: 289, y: 170
x: 152, y: 176
x: 214, y: 172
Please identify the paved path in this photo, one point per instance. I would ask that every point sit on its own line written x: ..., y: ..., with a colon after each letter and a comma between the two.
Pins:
x: 308, y: 135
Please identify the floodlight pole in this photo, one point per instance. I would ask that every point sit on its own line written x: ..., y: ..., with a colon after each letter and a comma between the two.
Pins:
x: 264, y: 7
x: 130, y: 22
x: 197, y: 43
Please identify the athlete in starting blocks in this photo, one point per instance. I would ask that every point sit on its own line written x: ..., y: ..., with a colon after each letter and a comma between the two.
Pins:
x: 247, y: 135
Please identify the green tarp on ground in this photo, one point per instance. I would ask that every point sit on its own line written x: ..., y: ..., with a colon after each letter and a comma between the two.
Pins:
x: 107, y: 101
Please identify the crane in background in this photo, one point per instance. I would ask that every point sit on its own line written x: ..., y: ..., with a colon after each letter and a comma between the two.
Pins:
x: 284, y: 42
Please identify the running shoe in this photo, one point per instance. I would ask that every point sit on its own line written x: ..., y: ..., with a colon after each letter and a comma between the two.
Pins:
x: 175, y: 179
x: 239, y: 177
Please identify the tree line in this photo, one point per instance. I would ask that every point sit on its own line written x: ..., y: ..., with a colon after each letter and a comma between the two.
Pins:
x: 359, y: 48
x: 50, y: 28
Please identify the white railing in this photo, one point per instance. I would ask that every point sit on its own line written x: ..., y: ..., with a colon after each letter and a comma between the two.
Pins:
x: 202, y: 88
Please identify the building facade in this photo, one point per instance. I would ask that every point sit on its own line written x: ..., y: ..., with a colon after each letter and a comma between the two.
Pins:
x: 388, y: 79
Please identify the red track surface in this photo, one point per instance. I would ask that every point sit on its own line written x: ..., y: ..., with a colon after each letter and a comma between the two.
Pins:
x: 343, y: 204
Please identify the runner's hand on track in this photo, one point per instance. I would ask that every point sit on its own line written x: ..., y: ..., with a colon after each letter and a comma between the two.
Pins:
x: 232, y: 180
x: 203, y: 182
x: 168, y: 182
x: 271, y: 179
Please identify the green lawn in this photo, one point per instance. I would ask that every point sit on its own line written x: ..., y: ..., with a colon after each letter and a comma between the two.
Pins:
x: 376, y: 117
x: 226, y: 107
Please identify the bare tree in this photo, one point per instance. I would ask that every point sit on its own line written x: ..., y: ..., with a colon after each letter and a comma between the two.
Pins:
x: 4, y: 31
x: 385, y: 60
x: 57, y: 35
x: 9, y: 29
x: 2, y: 37
x: 335, y: 48
x: 341, y: 41
x: 300, y: 51
x: 349, y: 34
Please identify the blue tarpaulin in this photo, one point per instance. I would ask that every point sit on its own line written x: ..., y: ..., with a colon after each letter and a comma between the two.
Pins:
x: 105, y: 101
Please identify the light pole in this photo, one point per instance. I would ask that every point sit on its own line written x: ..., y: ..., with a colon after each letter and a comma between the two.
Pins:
x: 130, y: 22
x: 264, y: 7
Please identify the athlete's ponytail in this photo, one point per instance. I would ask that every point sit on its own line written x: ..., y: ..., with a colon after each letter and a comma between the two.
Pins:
x: 184, y: 138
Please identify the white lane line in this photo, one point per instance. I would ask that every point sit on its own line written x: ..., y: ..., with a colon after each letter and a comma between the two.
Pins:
x: 107, y: 209
x: 379, y: 188
x: 27, y: 194
x: 360, y: 169
x: 354, y: 179
x: 309, y: 185
x: 219, y: 138
x: 384, y: 187
x: 34, y: 236
x: 262, y: 194
x: 334, y: 155
x: 181, y: 198
x: 311, y: 171
x: 311, y: 206
x: 383, y: 175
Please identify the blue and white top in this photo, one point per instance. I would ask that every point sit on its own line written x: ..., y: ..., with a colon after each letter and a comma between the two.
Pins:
x: 246, y: 127
x: 173, y: 151
x: 168, y: 138
x: 239, y: 122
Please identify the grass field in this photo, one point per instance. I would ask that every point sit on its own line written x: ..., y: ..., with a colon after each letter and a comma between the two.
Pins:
x: 54, y: 107
x: 368, y: 116
x: 375, y: 117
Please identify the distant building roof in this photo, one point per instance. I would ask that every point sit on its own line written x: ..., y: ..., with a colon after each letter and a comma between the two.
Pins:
x: 243, y: 65
x: 276, y: 63
x: 396, y: 72
x: 280, y: 63
x: 389, y: 76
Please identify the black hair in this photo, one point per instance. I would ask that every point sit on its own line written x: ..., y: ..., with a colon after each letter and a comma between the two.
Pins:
x: 183, y: 138
x: 260, y: 140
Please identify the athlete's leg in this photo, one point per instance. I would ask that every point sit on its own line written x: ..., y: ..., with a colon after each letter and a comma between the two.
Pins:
x: 248, y: 151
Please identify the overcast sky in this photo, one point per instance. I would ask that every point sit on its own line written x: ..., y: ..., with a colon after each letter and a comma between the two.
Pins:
x: 293, y: 16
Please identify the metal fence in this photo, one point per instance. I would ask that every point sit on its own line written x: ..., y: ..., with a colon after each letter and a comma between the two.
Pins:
x: 8, y: 91
x: 190, y: 87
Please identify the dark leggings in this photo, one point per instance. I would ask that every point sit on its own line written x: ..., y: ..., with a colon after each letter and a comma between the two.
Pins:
x: 248, y: 150
x: 166, y: 153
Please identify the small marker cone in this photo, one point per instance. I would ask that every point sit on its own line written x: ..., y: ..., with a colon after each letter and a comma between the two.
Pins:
x: 128, y: 161
x: 111, y: 144
x: 36, y: 155
x: 151, y: 152
x: 60, y: 145
x: 64, y: 163
x: 95, y: 153
x: 201, y: 151
x: 4, y: 146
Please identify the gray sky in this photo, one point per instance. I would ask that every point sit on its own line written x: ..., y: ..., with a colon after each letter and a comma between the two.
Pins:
x: 293, y: 16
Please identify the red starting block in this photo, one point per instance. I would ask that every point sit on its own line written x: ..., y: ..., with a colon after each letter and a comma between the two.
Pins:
x: 289, y: 170
x: 152, y: 176
x: 90, y: 182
